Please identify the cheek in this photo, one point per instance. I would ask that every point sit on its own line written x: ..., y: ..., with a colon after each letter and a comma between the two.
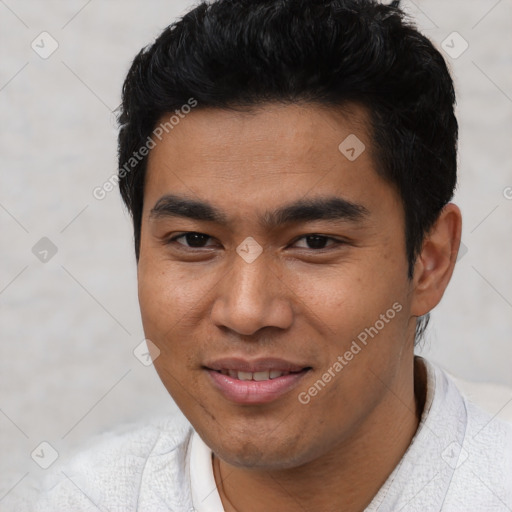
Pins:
x: 338, y: 301
x: 382, y: 276
x: 168, y: 295
x: 358, y: 302
x: 173, y: 305
x: 166, y: 309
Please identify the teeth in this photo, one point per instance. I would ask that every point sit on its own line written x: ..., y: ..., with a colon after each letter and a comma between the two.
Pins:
x: 257, y: 376
x: 261, y: 375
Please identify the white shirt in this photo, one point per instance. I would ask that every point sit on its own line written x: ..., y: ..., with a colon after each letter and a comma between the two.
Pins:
x: 460, y: 460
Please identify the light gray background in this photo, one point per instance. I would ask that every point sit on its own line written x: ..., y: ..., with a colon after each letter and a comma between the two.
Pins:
x: 69, y: 326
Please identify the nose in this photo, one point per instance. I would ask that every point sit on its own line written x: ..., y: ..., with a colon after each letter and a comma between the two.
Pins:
x: 252, y: 296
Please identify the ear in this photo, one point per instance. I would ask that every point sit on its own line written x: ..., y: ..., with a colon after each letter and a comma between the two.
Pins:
x: 434, y: 265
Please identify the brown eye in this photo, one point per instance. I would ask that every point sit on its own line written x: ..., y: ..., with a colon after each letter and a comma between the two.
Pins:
x: 193, y: 240
x: 318, y: 241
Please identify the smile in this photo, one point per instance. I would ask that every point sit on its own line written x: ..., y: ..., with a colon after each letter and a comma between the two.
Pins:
x: 254, y: 382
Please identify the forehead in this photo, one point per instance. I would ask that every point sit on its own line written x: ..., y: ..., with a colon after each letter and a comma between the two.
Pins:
x: 291, y: 127
x: 264, y: 155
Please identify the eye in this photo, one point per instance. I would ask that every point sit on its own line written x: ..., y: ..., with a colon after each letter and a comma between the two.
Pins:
x: 318, y: 241
x: 193, y: 239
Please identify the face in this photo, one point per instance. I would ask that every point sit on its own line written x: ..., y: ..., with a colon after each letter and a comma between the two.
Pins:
x: 273, y: 280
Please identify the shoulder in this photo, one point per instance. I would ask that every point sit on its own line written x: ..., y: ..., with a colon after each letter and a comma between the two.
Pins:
x: 111, y: 472
x: 470, y: 447
x: 482, y: 479
x: 488, y: 442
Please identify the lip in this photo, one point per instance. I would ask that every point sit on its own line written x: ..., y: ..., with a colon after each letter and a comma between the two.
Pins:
x: 251, y: 392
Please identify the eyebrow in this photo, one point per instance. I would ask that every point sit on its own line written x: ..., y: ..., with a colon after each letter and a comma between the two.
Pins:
x: 331, y: 208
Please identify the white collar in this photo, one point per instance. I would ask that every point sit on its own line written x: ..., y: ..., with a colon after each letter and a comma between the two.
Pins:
x: 205, y: 496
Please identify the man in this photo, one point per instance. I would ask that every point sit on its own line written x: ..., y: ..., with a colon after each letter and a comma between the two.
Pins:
x: 289, y: 166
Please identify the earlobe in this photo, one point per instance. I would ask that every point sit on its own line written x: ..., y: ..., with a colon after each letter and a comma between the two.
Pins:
x: 434, y: 265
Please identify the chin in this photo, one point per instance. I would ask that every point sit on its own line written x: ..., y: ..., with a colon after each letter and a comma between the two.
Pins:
x: 259, y: 460
x: 264, y: 454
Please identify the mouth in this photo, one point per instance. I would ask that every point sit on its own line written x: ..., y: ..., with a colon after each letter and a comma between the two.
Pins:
x: 255, y: 382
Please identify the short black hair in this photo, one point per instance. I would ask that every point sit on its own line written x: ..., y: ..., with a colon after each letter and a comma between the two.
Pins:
x: 239, y: 54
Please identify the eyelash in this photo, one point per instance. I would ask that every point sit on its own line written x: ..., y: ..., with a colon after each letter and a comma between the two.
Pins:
x: 334, y: 245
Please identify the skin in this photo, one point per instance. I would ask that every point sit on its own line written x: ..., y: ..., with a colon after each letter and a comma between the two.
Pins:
x: 295, y: 301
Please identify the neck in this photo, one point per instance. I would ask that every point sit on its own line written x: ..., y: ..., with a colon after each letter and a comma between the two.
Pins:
x: 349, y: 475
